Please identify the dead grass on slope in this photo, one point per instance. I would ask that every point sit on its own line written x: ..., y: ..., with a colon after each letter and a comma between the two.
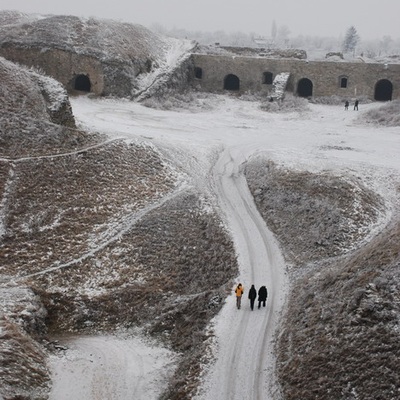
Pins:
x: 73, y: 221
x: 386, y: 115
x: 314, y: 216
x: 22, y: 359
x: 23, y: 137
x: 341, y: 336
x: 57, y: 210
x: 61, y: 208
x: 167, y: 274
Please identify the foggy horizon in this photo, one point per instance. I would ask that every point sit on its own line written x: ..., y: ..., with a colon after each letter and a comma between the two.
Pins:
x: 318, y: 18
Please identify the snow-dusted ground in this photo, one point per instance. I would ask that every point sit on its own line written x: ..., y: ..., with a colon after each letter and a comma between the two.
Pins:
x: 106, y: 367
x: 211, y: 147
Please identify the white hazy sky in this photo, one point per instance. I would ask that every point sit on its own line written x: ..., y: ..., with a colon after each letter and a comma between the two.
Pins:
x: 373, y: 19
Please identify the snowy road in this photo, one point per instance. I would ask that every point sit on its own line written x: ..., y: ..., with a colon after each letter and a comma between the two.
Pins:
x: 244, y: 367
x: 325, y: 138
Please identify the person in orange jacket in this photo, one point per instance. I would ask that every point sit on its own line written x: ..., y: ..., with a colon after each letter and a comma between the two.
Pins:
x: 239, y: 293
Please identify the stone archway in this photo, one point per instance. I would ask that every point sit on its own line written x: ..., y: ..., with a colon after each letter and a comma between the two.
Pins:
x: 82, y: 83
x: 383, y: 90
x: 305, y: 88
x: 231, y: 82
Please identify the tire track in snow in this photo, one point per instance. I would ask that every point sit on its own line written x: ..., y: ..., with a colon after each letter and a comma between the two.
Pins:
x: 245, y: 363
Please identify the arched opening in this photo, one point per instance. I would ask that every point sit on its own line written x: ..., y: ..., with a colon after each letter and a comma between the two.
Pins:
x: 267, y: 78
x: 198, y: 73
x: 343, y: 82
x: 383, y: 90
x: 231, y: 82
x: 82, y: 83
x: 305, y: 88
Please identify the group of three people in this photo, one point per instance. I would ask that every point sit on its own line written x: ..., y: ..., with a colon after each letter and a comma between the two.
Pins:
x: 262, y: 296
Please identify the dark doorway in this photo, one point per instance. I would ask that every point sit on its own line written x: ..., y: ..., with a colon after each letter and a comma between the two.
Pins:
x: 82, y: 83
x: 198, y: 73
x: 267, y: 78
x: 343, y: 82
x: 231, y: 82
x: 305, y: 88
x: 383, y: 90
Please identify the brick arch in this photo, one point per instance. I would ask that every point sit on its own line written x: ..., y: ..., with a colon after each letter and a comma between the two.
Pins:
x: 383, y: 90
x: 305, y: 87
x: 231, y: 82
x: 82, y: 83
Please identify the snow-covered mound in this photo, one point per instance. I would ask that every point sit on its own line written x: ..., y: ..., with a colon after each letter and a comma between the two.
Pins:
x: 114, y: 56
x: 35, y: 114
x: 80, y: 239
x: 105, y: 39
x: 35, y: 95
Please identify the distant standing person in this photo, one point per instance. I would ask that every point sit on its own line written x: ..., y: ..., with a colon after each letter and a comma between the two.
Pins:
x: 346, y: 105
x: 356, y: 105
x: 239, y: 293
x: 252, y: 296
x: 262, y: 296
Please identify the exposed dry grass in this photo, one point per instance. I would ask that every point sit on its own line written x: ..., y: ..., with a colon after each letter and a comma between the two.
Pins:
x: 165, y: 272
x: 169, y: 280
x: 60, y: 207
x: 340, y: 335
x: 341, y: 339
x: 386, y: 115
x: 289, y: 103
x: 167, y: 269
x: 314, y: 215
x: 22, y: 359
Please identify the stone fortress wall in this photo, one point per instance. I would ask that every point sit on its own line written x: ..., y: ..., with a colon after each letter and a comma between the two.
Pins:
x: 74, y: 71
x: 219, y: 73
x: 216, y: 73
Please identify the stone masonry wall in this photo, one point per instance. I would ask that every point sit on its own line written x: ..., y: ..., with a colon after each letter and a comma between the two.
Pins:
x: 325, y: 76
x: 59, y: 64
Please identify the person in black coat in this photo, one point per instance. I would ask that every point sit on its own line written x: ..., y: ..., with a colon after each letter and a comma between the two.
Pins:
x: 262, y: 296
x: 252, y: 296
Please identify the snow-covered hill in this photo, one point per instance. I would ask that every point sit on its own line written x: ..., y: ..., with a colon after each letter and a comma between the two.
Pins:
x: 120, y: 59
x: 125, y: 223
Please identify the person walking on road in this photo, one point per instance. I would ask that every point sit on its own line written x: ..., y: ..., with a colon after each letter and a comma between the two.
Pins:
x: 252, y: 296
x: 262, y: 296
x: 346, y: 105
x: 356, y: 105
x: 239, y: 293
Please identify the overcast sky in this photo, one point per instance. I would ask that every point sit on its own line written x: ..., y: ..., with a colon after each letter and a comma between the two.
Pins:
x: 372, y: 18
